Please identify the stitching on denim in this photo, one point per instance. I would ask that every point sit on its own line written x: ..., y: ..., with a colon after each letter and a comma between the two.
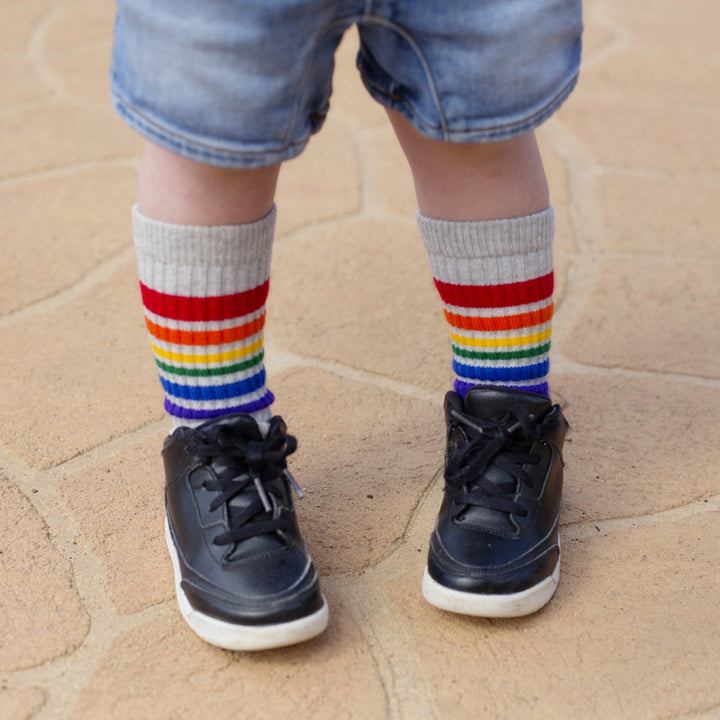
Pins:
x: 295, y: 108
x: 530, y: 121
x: 148, y: 126
x: 429, y: 79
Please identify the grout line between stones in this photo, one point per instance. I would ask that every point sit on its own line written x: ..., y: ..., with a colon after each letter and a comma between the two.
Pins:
x: 63, y: 678
x: 676, y: 174
x: 129, y: 161
x: 281, y: 360
x: 401, y: 539
x: 562, y: 364
x: 107, y: 449
x: 587, y: 229
x: 36, y: 56
x: 619, y: 38
x: 97, y: 275
x: 712, y: 712
x: 588, y: 529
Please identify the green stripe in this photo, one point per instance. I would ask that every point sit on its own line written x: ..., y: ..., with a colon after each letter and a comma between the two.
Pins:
x: 209, y: 372
x: 502, y: 354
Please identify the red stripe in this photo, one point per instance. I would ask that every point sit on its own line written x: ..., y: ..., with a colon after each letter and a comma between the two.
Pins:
x: 496, y: 296
x: 217, y: 307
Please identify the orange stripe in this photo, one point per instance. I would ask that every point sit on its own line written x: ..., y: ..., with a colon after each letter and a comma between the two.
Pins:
x: 208, y: 337
x: 498, y: 324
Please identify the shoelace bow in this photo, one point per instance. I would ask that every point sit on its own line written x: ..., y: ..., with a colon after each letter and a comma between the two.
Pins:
x: 502, y: 444
x: 249, y: 463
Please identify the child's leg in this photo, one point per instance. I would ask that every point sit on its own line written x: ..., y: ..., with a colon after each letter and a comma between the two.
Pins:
x: 176, y: 190
x: 248, y: 84
x: 482, y: 181
x: 488, y: 230
x: 203, y: 236
x: 244, y: 580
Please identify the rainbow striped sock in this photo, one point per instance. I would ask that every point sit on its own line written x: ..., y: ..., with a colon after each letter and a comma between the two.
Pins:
x: 204, y: 291
x: 495, y: 279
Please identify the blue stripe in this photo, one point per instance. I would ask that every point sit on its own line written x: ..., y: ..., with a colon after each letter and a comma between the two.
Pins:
x: 215, y: 392
x: 265, y: 401
x: 484, y: 373
x: 461, y: 388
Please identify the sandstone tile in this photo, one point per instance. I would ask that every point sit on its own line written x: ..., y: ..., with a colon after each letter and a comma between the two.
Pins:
x: 671, y: 28
x: 651, y: 313
x: 362, y: 294
x: 78, y: 24
x: 18, y: 21
x: 636, y: 446
x: 637, y: 136
x: 564, y: 230
x: 559, y: 185
x: 555, y: 167
x: 21, y: 703
x: 79, y: 374
x: 365, y: 457
x: 597, y: 35
x: 659, y: 214
x: 83, y: 72
x: 161, y: 669
x: 320, y: 184
x: 21, y: 85
x: 562, y: 262
x: 350, y: 99
x: 78, y: 219
x: 677, y: 79
x: 76, y: 50
x: 42, y: 616
x: 631, y: 633
x: 54, y: 135
x: 119, y: 508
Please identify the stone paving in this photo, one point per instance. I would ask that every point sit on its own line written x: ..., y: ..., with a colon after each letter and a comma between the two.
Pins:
x: 88, y: 622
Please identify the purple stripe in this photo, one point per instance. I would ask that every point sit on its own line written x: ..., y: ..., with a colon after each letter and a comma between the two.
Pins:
x: 190, y: 414
x: 461, y: 388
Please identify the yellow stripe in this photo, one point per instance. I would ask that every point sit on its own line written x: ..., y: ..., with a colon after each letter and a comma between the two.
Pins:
x: 216, y: 357
x: 500, y: 342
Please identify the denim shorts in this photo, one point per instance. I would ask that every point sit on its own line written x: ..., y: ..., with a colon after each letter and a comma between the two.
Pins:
x: 245, y: 83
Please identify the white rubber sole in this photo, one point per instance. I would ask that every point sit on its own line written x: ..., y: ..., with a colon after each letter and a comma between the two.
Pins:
x: 491, y: 606
x: 232, y: 636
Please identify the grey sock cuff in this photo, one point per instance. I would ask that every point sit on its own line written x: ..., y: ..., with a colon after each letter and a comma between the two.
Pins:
x: 200, y: 261
x: 489, y: 252
x: 487, y: 238
x: 203, y: 245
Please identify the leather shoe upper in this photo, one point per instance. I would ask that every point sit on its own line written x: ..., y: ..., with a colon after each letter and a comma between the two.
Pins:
x: 497, y: 530
x: 232, y: 520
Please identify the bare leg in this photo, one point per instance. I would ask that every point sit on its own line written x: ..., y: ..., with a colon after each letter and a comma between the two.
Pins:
x: 473, y: 182
x: 176, y: 190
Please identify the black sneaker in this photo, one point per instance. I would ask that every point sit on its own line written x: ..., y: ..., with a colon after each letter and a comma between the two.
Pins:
x: 243, y: 576
x: 495, y: 550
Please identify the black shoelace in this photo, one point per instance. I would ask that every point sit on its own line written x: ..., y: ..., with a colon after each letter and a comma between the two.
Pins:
x: 249, y: 465
x: 503, y: 444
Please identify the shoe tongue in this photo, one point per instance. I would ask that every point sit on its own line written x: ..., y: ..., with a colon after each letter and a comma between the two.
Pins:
x: 493, y: 403
x: 241, y: 424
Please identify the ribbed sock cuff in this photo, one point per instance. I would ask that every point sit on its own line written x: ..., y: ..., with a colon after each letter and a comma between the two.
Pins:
x: 203, y: 261
x: 489, y: 252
